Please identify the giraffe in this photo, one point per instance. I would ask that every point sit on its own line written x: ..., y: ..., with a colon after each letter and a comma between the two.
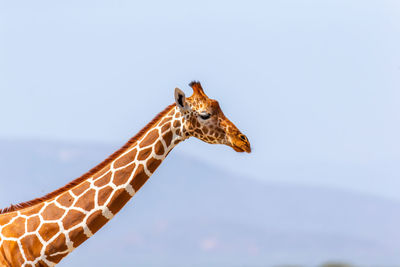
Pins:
x: 41, y: 232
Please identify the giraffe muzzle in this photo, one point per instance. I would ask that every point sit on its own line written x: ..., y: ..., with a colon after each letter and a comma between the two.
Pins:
x: 240, y: 143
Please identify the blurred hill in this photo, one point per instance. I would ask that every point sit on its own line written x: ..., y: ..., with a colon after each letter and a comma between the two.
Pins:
x: 194, y: 214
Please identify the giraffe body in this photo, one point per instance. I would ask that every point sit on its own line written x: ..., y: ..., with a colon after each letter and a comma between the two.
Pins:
x: 43, y: 231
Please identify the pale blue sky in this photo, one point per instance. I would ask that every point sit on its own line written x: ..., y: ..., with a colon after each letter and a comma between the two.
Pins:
x: 314, y: 84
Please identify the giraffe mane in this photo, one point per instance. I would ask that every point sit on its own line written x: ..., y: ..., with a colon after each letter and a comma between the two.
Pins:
x: 88, y: 174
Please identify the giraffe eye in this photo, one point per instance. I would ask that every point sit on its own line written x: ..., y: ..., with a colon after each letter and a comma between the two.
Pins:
x: 205, y: 116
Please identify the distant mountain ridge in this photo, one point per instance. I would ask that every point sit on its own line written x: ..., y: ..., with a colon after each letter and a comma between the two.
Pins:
x: 193, y: 214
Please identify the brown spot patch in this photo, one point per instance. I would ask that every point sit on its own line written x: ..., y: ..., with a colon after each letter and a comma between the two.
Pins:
x: 32, y: 210
x: 125, y: 159
x: 48, y: 230
x: 41, y: 264
x: 52, y: 212
x: 65, y: 199
x: 121, y: 176
x: 150, y: 138
x: 96, y: 221
x: 72, y: 218
x: 15, y: 229
x: 104, y: 194
x: 159, y: 148
x: 145, y: 153
x: 139, y: 179
x: 5, y: 218
x: 152, y: 164
x: 118, y: 200
x: 31, y: 246
x: 101, y: 172
x: 57, y: 258
x: 81, y: 188
x: 103, y: 180
x: 58, y: 244
x: 86, y: 201
x: 168, y: 138
x: 166, y: 127
x: 77, y: 236
x: 11, y: 251
x: 177, y: 124
x: 164, y: 121
x: 33, y: 223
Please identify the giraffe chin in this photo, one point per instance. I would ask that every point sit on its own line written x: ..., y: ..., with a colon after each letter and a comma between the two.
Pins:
x: 240, y: 149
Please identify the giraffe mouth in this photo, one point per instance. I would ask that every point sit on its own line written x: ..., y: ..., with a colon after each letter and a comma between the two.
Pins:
x: 237, y: 149
x: 241, y: 149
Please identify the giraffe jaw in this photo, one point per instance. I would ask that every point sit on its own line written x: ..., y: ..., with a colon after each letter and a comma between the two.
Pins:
x: 240, y: 149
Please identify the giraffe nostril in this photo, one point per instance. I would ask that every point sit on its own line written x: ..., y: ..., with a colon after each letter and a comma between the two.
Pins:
x: 243, y: 137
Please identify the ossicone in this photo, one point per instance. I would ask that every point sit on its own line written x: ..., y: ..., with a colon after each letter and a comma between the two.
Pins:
x: 197, y: 89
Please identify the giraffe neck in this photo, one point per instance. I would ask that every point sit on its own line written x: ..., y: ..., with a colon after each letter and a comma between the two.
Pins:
x: 45, y: 233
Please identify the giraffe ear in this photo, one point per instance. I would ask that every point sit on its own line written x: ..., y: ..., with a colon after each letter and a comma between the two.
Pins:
x: 180, y: 100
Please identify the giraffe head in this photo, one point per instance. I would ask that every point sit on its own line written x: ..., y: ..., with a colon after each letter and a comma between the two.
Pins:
x: 204, y: 119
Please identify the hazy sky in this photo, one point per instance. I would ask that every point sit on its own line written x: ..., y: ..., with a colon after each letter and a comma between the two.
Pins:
x: 315, y: 85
